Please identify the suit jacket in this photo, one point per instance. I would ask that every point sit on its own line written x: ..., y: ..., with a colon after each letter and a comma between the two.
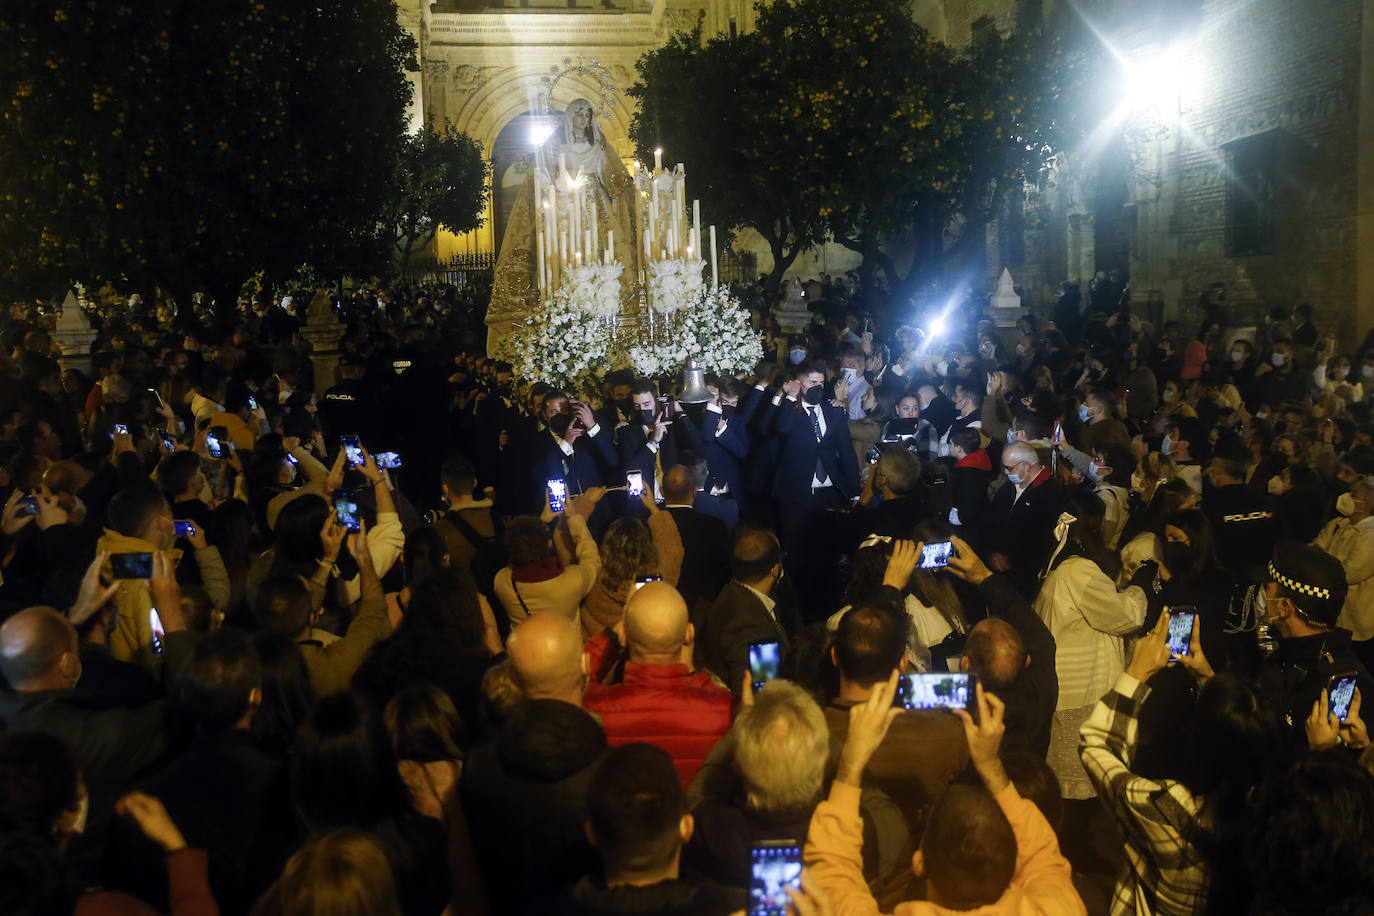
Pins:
x: 587, y: 467
x: 724, y: 452
x: 705, y: 554
x: 635, y: 453
x: 799, y: 450
x: 730, y: 623
x: 1022, y: 529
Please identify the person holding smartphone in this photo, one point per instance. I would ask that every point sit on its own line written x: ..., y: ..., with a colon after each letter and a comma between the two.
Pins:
x: 992, y: 819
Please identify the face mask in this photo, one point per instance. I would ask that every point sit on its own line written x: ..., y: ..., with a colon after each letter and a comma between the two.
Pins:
x: 1169, y: 396
x: 1083, y: 413
x: 1011, y: 436
x: 797, y: 356
x: 1345, y: 504
x: 1094, y: 471
x: 1137, y: 481
x: 646, y: 417
x: 1367, y: 371
x: 986, y: 349
x: 1338, y: 373
x: 1167, y: 446
x: 728, y: 410
x: 942, y: 368
x: 1022, y: 349
x: 1278, y: 359
x: 944, y: 450
x: 1176, y: 555
x: 814, y: 395
x: 624, y: 405
x: 849, y: 373
x: 1275, y: 486
x: 1014, y: 479
x: 1237, y: 356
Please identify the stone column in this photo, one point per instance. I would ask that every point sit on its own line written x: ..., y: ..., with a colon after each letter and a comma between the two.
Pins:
x: 74, y: 335
x: 323, y: 329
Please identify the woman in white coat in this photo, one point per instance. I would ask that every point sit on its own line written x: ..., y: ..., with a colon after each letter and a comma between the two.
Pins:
x: 1349, y: 537
x: 1089, y: 618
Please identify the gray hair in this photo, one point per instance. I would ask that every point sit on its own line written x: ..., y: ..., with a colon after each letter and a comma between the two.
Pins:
x: 902, y: 469
x: 782, y: 745
x: 1021, y: 452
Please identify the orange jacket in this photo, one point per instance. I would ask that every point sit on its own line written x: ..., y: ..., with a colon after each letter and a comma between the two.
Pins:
x: 1042, y: 883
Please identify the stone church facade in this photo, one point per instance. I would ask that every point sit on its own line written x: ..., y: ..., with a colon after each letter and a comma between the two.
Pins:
x: 1251, y: 162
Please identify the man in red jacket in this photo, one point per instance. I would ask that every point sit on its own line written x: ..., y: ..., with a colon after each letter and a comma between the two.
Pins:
x: 659, y: 700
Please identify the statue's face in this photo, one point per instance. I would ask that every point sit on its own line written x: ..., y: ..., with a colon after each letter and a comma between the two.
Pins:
x: 581, y: 117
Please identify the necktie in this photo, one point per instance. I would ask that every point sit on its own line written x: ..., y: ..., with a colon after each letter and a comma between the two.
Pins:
x: 816, y: 428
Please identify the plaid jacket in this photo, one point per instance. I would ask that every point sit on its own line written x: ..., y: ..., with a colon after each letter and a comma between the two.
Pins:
x: 1163, y: 874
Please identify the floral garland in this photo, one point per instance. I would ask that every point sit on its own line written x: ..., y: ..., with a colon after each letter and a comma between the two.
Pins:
x: 674, y: 283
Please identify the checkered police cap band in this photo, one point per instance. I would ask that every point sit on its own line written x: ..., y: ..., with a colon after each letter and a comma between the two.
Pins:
x: 1295, y: 586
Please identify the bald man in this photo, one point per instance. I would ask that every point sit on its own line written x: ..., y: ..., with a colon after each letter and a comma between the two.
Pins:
x: 528, y: 786
x: 660, y: 699
x: 1018, y: 527
x: 40, y: 661
x: 1011, y: 652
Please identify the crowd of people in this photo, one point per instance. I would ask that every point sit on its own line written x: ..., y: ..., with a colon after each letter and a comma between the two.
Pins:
x: 1071, y: 617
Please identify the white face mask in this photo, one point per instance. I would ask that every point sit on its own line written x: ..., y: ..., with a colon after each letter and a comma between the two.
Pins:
x: 1167, y: 446
x: 944, y: 450
x: 1011, y: 436
x: 1022, y: 349
x: 1169, y: 395
x: 1367, y: 371
x: 1237, y: 356
x: 1278, y: 359
x: 1094, y: 471
x: 1345, y: 504
x: 1276, y: 488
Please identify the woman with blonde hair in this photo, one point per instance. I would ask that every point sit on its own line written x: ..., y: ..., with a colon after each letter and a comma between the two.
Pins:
x: 342, y: 873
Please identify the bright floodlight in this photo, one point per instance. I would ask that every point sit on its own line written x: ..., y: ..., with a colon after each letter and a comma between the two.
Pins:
x: 937, y: 326
x: 1155, y: 82
x: 539, y: 132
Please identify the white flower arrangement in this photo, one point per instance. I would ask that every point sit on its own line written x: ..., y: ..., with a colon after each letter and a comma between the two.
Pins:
x: 595, y: 288
x: 713, y: 329
x: 564, y: 345
x: 674, y: 283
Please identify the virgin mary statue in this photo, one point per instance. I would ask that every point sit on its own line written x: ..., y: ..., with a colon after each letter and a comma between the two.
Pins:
x: 579, y: 147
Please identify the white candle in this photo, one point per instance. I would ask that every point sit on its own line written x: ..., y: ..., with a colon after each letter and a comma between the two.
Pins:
x: 696, y: 218
x: 606, y: 256
x: 715, y: 279
x: 648, y: 246
x: 562, y: 164
x: 610, y: 243
x: 591, y: 246
x: 653, y: 213
x: 539, y: 245
x: 658, y: 161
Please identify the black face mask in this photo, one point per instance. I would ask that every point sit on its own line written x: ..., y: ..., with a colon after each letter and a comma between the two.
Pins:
x: 560, y: 423
x: 728, y: 410
x: 1177, y: 556
x: 815, y: 395
x: 626, y: 406
x: 646, y: 417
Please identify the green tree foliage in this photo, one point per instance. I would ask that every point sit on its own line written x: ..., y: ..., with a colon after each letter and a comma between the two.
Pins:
x: 441, y: 179
x: 709, y: 106
x: 177, y: 143
x: 845, y: 119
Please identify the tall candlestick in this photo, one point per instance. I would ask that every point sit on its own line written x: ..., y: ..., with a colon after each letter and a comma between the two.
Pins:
x: 658, y: 161
x: 562, y: 164
x: 610, y: 242
x: 696, y: 217
x: 539, y: 244
x: 591, y: 253
x: 648, y: 245
x: 715, y: 279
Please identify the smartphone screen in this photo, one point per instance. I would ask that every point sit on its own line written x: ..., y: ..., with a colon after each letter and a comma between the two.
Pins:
x: 1181, y: 622
x: 936, y: 556
x: 388, y: 460
x: 252, y: 403
x: 764, y: 660
x: 645, y: 580
x: 184, y: 529
x: 346, y: 509
x: 121, y: 429
x: 167, y: 441
x: 774, y: 867
x: 1341, y: 690
x: 937, y: 690
x: 213, y: 445
x: 558, y: 494
x: 634, y: 483
x: 155, y: 622
x: 153, y: 392
x: 131, y: 565
x: 353, y: 451
x: 28, y: 504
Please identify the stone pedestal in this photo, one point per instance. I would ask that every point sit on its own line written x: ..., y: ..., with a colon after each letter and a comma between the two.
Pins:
x: 323, y: 329
x: 793, y: 315
x: 74, y: 335
x: 1006, y: 305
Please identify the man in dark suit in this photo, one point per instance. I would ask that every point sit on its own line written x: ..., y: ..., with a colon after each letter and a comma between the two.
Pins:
x: 746, y: 610
x: 724, y: 436
x: 817, y: 473
x: 647, y: 444
x: 705, y: 540
x: 571, y: 445
x: 1018, y: 528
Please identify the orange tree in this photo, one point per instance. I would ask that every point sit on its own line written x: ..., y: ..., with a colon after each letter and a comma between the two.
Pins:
x: 180, y: 143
